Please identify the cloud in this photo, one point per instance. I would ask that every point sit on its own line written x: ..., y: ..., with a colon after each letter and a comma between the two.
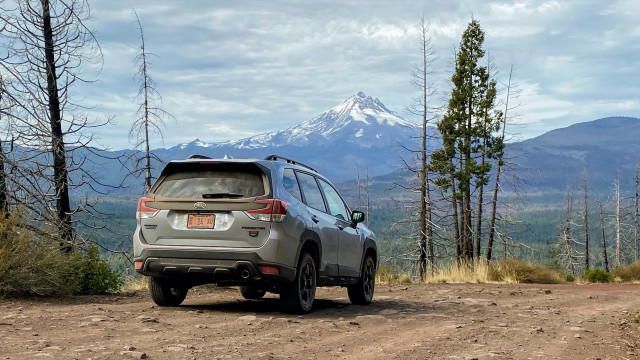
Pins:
x: 237, y: 69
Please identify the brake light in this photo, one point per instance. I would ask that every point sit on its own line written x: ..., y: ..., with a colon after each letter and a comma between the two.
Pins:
x: 143, y: 211
x: 274, y: 211
x: 267, y: 269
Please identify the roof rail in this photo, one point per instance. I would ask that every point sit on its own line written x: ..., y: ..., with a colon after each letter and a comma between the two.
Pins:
x: 289, y: 161
x: 197, y: 156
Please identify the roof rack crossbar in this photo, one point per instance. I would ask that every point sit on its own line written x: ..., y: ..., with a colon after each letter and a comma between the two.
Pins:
x: 288, y: 161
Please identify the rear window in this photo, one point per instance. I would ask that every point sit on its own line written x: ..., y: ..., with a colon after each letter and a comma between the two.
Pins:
x: 212, y: 181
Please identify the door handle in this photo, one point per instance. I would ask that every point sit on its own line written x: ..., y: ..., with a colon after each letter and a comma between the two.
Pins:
x: 315, y: 219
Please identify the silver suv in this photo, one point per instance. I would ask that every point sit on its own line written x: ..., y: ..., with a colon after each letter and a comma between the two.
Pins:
x: 266, y: 225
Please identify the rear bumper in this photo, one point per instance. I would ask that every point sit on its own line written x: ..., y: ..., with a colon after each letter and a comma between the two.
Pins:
x: 202, y: 266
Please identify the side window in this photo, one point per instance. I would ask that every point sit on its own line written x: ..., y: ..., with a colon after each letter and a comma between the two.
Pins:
x: 290, y: 183
x: 336, y: 205
x: 311, y: 191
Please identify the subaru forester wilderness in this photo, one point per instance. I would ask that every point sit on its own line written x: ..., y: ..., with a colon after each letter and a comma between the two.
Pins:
x: 266, y: 225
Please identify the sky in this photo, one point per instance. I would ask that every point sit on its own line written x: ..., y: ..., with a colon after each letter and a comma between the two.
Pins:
x: 232, y: 69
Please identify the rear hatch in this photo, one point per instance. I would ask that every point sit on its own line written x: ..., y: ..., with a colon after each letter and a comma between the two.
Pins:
x: 207, y: 203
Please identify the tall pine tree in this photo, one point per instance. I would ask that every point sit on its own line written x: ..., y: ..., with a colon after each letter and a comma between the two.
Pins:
x: 467, y: 130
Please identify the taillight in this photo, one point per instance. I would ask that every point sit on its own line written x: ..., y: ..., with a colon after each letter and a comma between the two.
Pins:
x: 268, y: 269
x: 143, y: 211
x: 274, y: 211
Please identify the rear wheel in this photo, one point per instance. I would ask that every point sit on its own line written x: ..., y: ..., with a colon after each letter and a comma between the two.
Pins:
x: 252, y: 292
x: 362, y: 292
x: 165, y: 292
x: 298, y: 297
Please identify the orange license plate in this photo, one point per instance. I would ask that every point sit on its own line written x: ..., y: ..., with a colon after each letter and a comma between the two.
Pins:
x: 195, y: 221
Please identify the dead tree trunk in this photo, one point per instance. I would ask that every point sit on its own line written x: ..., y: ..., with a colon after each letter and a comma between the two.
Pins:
x: 499, y: 164
x: 604, y: 242
x: 586, y: 225
x: 618, y: 224
x: 60, y: 174
x: 636, y: 221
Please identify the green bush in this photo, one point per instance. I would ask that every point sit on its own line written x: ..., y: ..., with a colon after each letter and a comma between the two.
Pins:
x: 94, y: 276
x: 521, y: 272
x: 597, y: 276
x: 628, y: 274
x: 32, y: 263
x: 569, y: 278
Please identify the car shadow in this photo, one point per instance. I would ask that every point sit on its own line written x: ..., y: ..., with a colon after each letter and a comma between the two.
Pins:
x: 328, y: 308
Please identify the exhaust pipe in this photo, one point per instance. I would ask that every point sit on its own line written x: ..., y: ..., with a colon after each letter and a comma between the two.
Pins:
x: 245, y: 274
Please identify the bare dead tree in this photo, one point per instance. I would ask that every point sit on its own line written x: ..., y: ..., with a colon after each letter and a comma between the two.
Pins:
x: 4, y: 109
x: 604, y: 241
x: 368, y: 192
x: 421, y: 80
x: 567, y: 253
x: 45, y: 47
x: 150, y: 113
x: 511, y: 93
x: 585, y: 214
x: 636, y: 217
x: 618, y: 221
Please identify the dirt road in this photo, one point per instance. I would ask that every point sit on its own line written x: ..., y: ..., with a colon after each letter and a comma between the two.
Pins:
x: 443, y: 321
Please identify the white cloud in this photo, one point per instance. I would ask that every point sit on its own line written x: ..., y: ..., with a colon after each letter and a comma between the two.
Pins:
x: 233, y: 69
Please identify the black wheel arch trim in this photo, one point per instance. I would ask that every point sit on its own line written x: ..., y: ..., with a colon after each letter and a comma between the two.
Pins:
x: 309, y: 236
x: 369, y: 244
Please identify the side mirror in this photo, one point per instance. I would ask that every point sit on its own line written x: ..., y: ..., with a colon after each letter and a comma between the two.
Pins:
x: 357, y: 217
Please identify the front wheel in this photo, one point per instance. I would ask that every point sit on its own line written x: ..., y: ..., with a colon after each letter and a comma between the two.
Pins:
x: 297, y: 298
x: 165, y: 293
x: 362, y: 292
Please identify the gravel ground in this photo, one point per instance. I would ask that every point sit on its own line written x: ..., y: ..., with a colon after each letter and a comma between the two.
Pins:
x: 418, y: 321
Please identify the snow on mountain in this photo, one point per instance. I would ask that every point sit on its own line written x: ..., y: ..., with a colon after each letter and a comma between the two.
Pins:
x: 357, y: 119
x: 196, y: 142
x: 358, y: 133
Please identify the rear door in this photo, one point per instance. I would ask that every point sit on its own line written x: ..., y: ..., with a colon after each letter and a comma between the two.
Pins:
x: 351, y: 242
x: 324, y: 223
x: 204, y: 203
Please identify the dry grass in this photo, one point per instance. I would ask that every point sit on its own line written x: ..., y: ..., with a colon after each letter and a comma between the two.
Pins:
x: 628, y: 274
x: 464, y: 273
x: 504, y: 271
x: 514, y: 270
x: 135, y: 283
x: 388, y: 275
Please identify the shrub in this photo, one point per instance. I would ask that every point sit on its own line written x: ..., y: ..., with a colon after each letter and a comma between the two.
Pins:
x: 569, y: 278
x: 389, y: 275
x: 460, y: 272
x: 94, y: 276
x: 597, y: 276
x: 31, y: 263
x: 628, y: 274
x: 521, y: 272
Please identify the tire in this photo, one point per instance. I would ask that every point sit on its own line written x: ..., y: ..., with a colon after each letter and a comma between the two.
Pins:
x: 252, y: 292
x: 362, y: 292
x: 297, y: 298
x: 164, y: 293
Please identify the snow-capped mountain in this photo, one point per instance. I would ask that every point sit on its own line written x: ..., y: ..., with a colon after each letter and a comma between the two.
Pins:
x: 357, y: 133
x: 360, y: 119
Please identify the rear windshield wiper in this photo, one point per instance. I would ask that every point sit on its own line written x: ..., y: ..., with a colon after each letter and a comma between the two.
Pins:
x: 222, y: 196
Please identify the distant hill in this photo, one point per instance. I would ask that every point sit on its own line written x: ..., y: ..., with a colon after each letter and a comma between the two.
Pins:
x: 602, y: 148
x: 361, y: 134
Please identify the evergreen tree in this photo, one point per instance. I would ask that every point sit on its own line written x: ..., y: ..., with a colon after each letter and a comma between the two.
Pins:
x: 467, y: 130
